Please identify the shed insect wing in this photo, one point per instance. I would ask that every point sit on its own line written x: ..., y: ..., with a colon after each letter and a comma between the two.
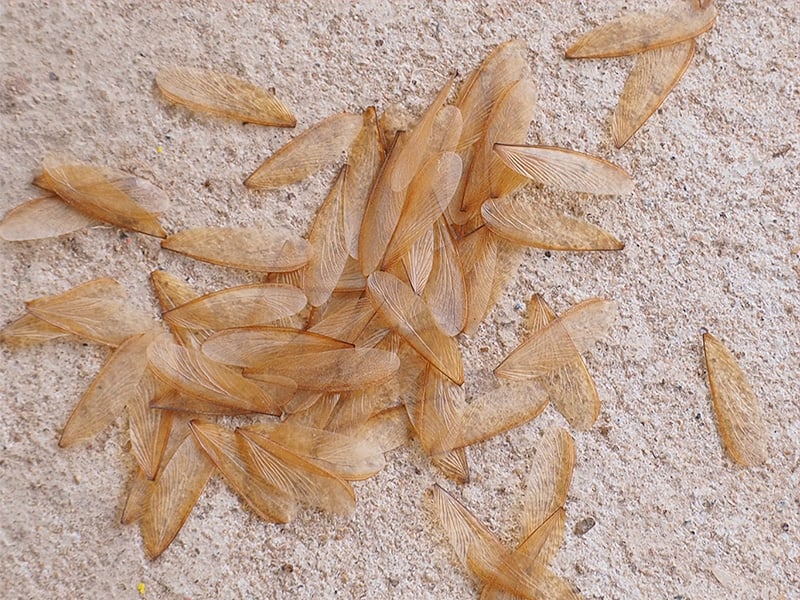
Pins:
x: 741, y: 424
x: 40, y: 218
x: 223, y: 95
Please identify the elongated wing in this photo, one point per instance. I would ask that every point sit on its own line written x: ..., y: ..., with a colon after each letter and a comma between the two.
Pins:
x: 479, y: 253
x: 654, y: 75
x: 418, y: 261
x: 256, y: 347
x: 29, y: 329
x: 333, y: 370
x: 223, y: 95
x: 40, y: 218
x: 306, y: 481
x: 527, y: 222
x: 499, y: 410
x: 310, y: 151
x: 354, y: 322
x: 194, y: 374
x: 242, y: 248
x: 741, y: 424
x: 453, y: 464
x: 408, y: 315
x: 445, y: 289
x: 93, y: 192
x: 436, y: 411
x: 229, y: 454
x: 149, y: 427
x: 174, y: 495
x: 355, y: 408
x: 329, y: 249
x: 349, y: 457
x: 389, y: 428
x: 363, y: 163
x: 242, y: 306
x: 429, y: 194
x: 95, y: 311
x: 556, y: 344
x: 139, y: 491
x: 566, y: 169
x: 109, y: 393
x: 172, y: 292
x: 640, y: 32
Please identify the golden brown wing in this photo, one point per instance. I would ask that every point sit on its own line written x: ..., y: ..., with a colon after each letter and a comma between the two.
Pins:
x: 40, y: 218
x: 172, y: 292
x: 650, y: 81
x: 223, y: 95
x: 310, y: 151
x: 445, y: 288
x: 741, y: 424
x: 479, y: 253
x: 640, y: 32
x: 29, y: 329
x: 266, y: 251
x: 149, y: 427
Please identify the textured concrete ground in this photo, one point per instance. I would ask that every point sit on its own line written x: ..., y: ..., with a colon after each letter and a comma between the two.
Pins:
x: 712, y: 242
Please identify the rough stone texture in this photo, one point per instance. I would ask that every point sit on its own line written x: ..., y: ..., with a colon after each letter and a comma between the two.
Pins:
x: 712, y: 243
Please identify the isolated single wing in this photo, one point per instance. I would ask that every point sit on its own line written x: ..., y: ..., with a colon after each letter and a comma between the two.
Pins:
x: 640, y: 32
x: 94, y: 192
x: 40, y: 218
x: 229, y: 454
x: 652, y: 78
x: 528, y: 222
x: 192, y: 373
x: 242, y: 306
x: 556, y: 344
x: 741, y: 424
x: 223, y: 95
x: 316, y: 147
x: 109, y: 393
x: 329, y: 250
x: 266, y: 251
x: 94, y: 310
x: 174, y: 495
x: 566, y: 169
x: 409, y: 316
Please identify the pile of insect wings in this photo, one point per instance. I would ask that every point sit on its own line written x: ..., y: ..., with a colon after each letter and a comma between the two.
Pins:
x: 349, y: 347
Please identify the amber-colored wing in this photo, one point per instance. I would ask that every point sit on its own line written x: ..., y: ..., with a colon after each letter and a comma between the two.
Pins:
x: 445, y: 288
x: 113, y: 388
x: 229, y: 454
x: 652, y: 78
x: 556, y: 344
x: 149, y: 427
x: 640, y: 32
x: 223, y: 95
x: 329, y: 248
x: 316, y: 147
x: 526, y: 221
x: 741, y: 424
x: 333, y: 370
x: 479, y: 253
x: 44, y: 217
x: 409, y: 316
x: 95, y: 310
x: 418, y: 261
x: 242, y: 306
x: 174, y: 495
x: 566, y: 169
x: 242, y: 248
x: 94, y: 191
x: 29, y: 329
x: 172, y: 292
x: 194, y: 374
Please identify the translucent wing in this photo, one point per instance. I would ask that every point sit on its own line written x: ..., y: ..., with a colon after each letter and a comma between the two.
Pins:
x: 418, y: 262
x: 194, y: 374
x: 40, y: 218
x: 109, y: 393
x: 389, y: 428
x: 355, y: 322
x: 410, y: 317
x: 527, y: 222
x: 172, y: 292
x: 223, y: 95
x: 316, y: 147
x: 639, y: 32
x: 229, y: 454
x: 92, y: 191
x: 242, y: 248
x: 445, y: 288
x: 566, y: 169
x: 256, y: 347
x: 739, y: 417
x: 329, y: 249
x: 29, y: 329
x: 149, y: 427
x: 651, y: 80
x: 333, y: 370
x: 174, y: 495
x: 436, y: 412
x: 242, y: 306
x: 365, y: 158
x: 556, y: 344
x: 479, y: 254
x: 306, y: 481
x: 95, y: 311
